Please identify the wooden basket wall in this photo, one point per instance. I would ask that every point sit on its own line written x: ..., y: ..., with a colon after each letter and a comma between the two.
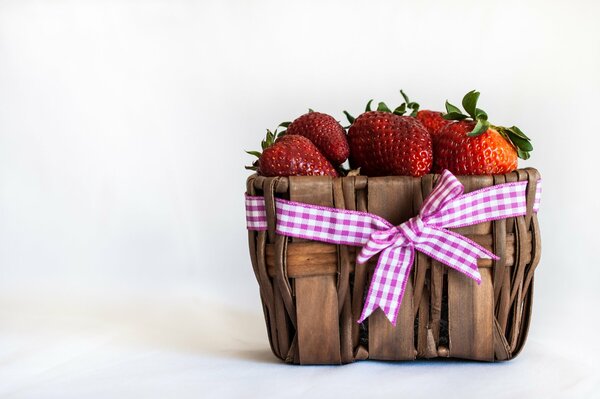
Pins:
x: 313, y: 293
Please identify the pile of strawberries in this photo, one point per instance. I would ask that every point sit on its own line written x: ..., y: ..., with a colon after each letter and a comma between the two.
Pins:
x: 385, y: 142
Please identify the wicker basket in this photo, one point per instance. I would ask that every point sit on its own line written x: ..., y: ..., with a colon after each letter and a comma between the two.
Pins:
x: 312, y: 292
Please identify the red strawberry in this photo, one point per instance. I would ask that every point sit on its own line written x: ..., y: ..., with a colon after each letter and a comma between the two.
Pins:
x: 486, y: 154
x: 433, y: 121
x: 385, y: 143
x: 325, y: 132
x: 291, y: 155
x: 475, y: 147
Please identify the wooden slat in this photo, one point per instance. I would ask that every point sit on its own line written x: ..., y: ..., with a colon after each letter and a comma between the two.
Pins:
x: 345, y: 265
x: 426, y: 347
x: 499, y: 247
x: 471, y: 306
x: 471, y: 317
x: 285, y: 310
x: 316, y: 296
x: 360, y: 284
x: 437, y: 285
x: 258, y: 241
x: 318, y: 328
x: 501, y: 347
x: 392, y: 198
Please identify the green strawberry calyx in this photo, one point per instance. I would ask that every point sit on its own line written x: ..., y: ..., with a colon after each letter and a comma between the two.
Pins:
x: 410, y: 104
x: 382, y: 107
x: 512, y: 134
x: 270, y: 139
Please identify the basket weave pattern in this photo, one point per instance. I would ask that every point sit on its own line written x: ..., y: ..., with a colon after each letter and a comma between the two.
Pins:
x: 313, y: 292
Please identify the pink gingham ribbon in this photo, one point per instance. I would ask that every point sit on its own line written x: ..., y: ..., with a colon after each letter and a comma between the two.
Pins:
x: 446, y: 207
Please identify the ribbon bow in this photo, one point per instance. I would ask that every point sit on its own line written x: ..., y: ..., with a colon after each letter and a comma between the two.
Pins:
x: 425, y: 233
x: 445, y: 207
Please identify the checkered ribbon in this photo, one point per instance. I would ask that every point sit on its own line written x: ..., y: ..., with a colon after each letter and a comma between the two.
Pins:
x: 446, y: 207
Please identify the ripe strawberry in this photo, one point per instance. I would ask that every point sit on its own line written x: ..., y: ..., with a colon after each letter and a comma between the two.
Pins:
x: 383, y: 143
x: 325, y: 132
x: 486, y: 154
x: 291, y: 155
x: 475, y: 147
x: 433, y: 121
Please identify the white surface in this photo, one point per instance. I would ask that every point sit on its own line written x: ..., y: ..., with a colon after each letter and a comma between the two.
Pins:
x: 184, y: 346
x: 123, y: 274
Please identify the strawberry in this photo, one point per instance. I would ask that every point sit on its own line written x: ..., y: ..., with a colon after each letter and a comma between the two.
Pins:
x: 433, y: 121
x: 473, y: 146
x: 325, y: 132
x: 383, y: 143
x: 290, y: 155
x: 485, y: 154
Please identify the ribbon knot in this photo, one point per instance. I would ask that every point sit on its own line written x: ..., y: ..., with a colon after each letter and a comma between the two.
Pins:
x: 403, y: 235
x: 412, y: 228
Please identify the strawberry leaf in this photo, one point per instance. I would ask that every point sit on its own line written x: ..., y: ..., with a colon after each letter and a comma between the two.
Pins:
x: 519, y: 142
x: 480, y: 114
x: 368, y: 107
x: 452, y: 109
x: 284, y: 124
x: 401, y: 110
x: 518, y: 132
x: 269, y: 140
x: 480, y: 127
x: 454, y: 116
x: 351, y: 119
x: 410, y: 104
x: 522, y: 154
x: 255, y: 153
x: 383, y: 108
x: 469, y: 103
x: 415, y: 109
x: 406, y: 100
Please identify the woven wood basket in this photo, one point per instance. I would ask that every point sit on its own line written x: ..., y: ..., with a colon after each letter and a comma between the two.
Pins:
x: 312, y: 292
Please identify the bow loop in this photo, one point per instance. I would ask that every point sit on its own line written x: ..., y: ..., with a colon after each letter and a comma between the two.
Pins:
x: 447, y: 189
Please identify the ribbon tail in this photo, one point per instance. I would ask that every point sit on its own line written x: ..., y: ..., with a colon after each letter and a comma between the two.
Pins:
x: 389, y: 282
x: 455, y: 251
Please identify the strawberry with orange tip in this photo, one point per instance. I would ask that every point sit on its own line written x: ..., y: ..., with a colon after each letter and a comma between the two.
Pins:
x: 471, y: 145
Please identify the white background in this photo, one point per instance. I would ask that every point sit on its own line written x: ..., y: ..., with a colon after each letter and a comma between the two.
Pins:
x: 123, y: 258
